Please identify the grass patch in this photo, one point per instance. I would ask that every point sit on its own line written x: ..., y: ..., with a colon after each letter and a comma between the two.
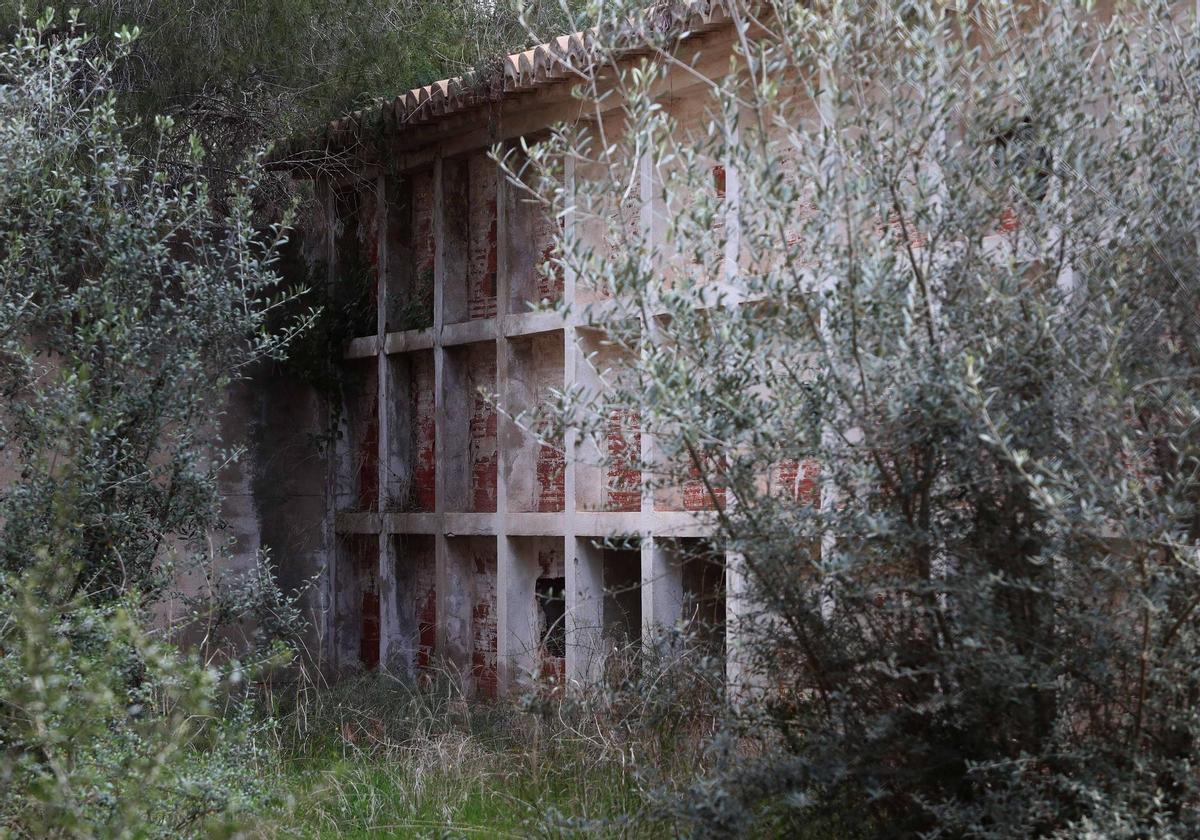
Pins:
x: 378, y: 758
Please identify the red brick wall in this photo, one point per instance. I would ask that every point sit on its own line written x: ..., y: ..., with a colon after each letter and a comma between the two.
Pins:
x: 546, y: 353
x: 623, y: 482
x: 799, y: 480
x: 362, y: 563
x: 696, y: 495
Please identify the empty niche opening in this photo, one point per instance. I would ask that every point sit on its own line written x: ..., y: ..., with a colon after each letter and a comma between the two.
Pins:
x: 535, y: 278
x: 469, y: 189
x: 410, y: 252
x: 412, y: 467
x: 622, y: 617
x: 703, y: 573
x: 551, y: 597
x: 359, y: 490
x: 416, y: 593
x: 550, y: 603
x: 357, y: 600
x: 470, y: 449
x: 536, y: 461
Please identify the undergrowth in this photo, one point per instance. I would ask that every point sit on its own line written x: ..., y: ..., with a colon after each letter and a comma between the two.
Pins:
x: 380, y: 756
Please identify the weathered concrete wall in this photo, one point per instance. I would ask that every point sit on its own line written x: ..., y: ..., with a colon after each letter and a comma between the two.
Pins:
x: 273, y: 500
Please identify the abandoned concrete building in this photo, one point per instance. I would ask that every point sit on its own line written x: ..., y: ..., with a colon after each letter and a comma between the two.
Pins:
x: 455, y: 533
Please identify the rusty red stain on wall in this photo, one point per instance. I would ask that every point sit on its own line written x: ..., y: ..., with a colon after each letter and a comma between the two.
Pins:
x: 623, y: 483
x: 424, y: 495
x: 483, y: 626
x: 482, y: 251
x: 359, y: 605
x: 483, y: 455
x: 551, y: 476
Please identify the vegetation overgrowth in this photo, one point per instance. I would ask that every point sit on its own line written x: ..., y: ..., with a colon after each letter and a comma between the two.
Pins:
x: 943, y: 396
x: 930, y: 345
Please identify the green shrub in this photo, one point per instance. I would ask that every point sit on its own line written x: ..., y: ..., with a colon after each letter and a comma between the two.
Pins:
x: 127, y: 305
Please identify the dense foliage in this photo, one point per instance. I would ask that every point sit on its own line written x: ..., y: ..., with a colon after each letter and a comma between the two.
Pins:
x: 238, y: 75
x: 929, y: 339
x: 127, y: 306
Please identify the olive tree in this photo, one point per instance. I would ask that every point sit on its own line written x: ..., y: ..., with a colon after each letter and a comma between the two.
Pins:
x: 127, y: 306
x: 914, y: 299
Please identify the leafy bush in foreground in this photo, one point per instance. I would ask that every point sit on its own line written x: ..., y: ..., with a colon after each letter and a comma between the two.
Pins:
x: 126, y: 308
x: 932, y: 341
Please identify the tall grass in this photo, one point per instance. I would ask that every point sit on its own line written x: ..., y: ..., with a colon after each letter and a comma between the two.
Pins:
x: 376, y: 755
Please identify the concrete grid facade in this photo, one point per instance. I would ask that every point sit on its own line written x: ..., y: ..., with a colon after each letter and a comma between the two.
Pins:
x: 458, y: 536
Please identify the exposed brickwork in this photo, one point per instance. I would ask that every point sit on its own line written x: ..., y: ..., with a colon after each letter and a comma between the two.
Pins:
x: 799, y: 480
x: 545, y: 353
x: 699, y: 496
x: 904, y: 231
x: 482, y: 249
x: 421, y: 398
x: 483, y: 623
x: 483, y: 447
x: 551, y: 478
x: 623, y: 484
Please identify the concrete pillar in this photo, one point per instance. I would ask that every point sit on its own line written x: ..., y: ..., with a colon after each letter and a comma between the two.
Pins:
x: 517, y: 626
x: 662, y: 587
x: 390, y: 656
x: 327, y: 591
x: 736, y: 614
x: 585, y: 604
